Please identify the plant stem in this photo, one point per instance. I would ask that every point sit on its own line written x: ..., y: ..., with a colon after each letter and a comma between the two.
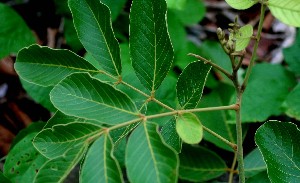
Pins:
x: 259, y: 30
x: 212, y: 64
x: 232, y: 169
x: 232, y: 145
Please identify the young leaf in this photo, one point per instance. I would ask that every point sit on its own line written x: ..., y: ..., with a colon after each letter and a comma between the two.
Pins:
x: 99, y: 164
x: 198, y: 164
x: 93, y: 25
x: 176, y: 4
x: 24, y: 161
x: 61, y: 138
x: 57, y: 169
x: 189, y: 128
x: 46, y: 67
x: 12, y: 39
x: 243, y: 37
x: 190, y: 84
x: 241, y: 4
x: 279, y: 144
x: 170, y: 136
x: 82, y: 96
x: 150, y: 47
x: 148, y: 159
x: 254, y: 163
x: 293, y: 103
x: 286, y: 11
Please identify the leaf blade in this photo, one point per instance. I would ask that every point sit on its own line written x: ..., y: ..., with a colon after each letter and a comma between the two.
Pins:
x: 241, y: 4
x: 151, y: 161
x: 100, y: 165
x: 95, y: 98
x: 190, y: 84
x: 278, y: 143
x: 102, y: 45
x: 151, y: 56
x: 46, y: 67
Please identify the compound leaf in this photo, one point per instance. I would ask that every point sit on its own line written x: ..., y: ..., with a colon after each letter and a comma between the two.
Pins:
x: 99, y: 164
x: 198, y: 164
x: 55, y: 141
x: 287, y: 11
x: 150, y: 47
x: 148, y: 159
x: 93, y: 25
x: 279, y: 144
x: 241, y: 4
x: 14, y: 33
x: 46, y: 67
x: 82, y: 96
x: 57, y: 169
x: 189, y: 128
x: 190, y: 84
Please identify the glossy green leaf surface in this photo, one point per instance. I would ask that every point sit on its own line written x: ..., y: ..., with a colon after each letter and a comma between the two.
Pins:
x: 82, y: 96
x: 59, y: 139
x: 293, y: 103
x: 46, y: 67
x: 217, y: 121
x: 14, y: 33
x: 189, y: 128
x: 95, y: 33
x: 60, y: 118
x: 279, y: 144
x: 190, y: 84
x: 99, y: 164
x: 24, y: 161
x: 198, y: 164
x: 291, y: 55
x: 170, y: 136
x: 148, y: 159
x: 262, y: 177
x: 150, y: 47
x: 259, y: 104
x: 39, y: 93
x: 57, y: 169
x: 287, y: 11
x: 241, y: 4
x: 254, y: 163
x: 243, y: 37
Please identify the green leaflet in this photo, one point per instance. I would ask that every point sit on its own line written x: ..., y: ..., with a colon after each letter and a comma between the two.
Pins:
x: 46, y: 67
x: 241, y: 4
x: 243, y: 37
x: 198, y: 164
x: 176, y: 4
x: 24, y: 161
x: 99, y: 164
x: 189, y: 128
x: 57, y: 169
x: 82, y: 96
x: 254, y: 163
x: 12, y: 39
x: 93, y: 25
x: 150, y: 47
x: 279, y: 144
x: 170, y: 136
x: 190, y: 84
x: 148, y: 159
x: 293, y: 103
x: 56, y: 141
x: 287, y: 11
